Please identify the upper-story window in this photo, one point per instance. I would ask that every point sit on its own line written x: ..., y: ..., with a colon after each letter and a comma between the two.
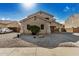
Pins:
x: 47, y: 18
x: 34, y: 17
x: 28, y: 26
x: 42, y: 26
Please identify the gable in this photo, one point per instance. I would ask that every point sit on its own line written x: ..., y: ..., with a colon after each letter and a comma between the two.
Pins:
x: 40, y: 14
x: 38, y: 20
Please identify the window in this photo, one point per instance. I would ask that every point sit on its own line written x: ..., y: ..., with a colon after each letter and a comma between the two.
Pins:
x: 47, y: 18
x: 28, y: 26
x: 34, y: 17
x: 42, y: 26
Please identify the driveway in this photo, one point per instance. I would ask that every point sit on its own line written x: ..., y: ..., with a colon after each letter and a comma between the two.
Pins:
x: 52, y: 40
x: 10, y: 40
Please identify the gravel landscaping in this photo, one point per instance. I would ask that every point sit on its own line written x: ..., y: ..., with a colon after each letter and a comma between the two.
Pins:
x: 52, y: 40
x: 77, y: 34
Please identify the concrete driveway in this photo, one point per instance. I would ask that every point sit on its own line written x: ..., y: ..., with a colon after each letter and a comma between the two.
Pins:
x: 9, y: 40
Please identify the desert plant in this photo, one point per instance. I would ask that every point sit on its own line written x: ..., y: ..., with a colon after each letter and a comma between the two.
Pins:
x: 34, y: 29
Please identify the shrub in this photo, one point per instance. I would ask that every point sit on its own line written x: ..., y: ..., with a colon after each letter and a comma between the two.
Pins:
x: 34, y: 29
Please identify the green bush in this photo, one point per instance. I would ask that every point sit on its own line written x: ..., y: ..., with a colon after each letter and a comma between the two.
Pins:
x: 34, y: 29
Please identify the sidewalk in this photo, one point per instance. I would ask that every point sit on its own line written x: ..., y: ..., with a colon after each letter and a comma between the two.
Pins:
x: 39, y: 51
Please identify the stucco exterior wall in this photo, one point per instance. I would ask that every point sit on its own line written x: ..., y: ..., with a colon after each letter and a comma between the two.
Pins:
x: 37, y: 22
x: 56, y: 24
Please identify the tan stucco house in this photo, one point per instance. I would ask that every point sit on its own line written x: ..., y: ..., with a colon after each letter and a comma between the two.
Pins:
x: 72, y: 23
x: 44, y: 20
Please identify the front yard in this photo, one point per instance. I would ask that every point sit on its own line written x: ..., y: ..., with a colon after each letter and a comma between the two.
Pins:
x: 52, y: 40
x: 10, y: 40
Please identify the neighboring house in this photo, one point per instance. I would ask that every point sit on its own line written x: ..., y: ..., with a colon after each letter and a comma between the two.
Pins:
x: 2, y: 25
x: 45, y: 21
x: 72, y: 24
x: 15, y: 26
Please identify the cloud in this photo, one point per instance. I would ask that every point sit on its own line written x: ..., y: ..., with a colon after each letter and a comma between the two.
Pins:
x: 60, y: 21
x: 67, y: 8
x: 56, y: 18
x: 8, y: 19
x: 4, y: 18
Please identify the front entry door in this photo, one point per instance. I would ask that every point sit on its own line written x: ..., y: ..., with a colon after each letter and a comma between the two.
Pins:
x: 52, y: 28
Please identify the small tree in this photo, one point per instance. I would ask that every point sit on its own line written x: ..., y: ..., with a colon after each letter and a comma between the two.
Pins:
x: 34, y: 29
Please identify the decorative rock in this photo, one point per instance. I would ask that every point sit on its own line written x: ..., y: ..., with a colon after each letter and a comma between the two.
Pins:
x: 41, y: 36
x: 67, y: 44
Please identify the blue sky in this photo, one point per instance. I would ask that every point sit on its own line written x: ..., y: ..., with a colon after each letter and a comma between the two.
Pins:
x: 18, y: 11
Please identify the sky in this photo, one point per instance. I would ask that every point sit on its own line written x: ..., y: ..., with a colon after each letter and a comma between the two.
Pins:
x: 19, y: 11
